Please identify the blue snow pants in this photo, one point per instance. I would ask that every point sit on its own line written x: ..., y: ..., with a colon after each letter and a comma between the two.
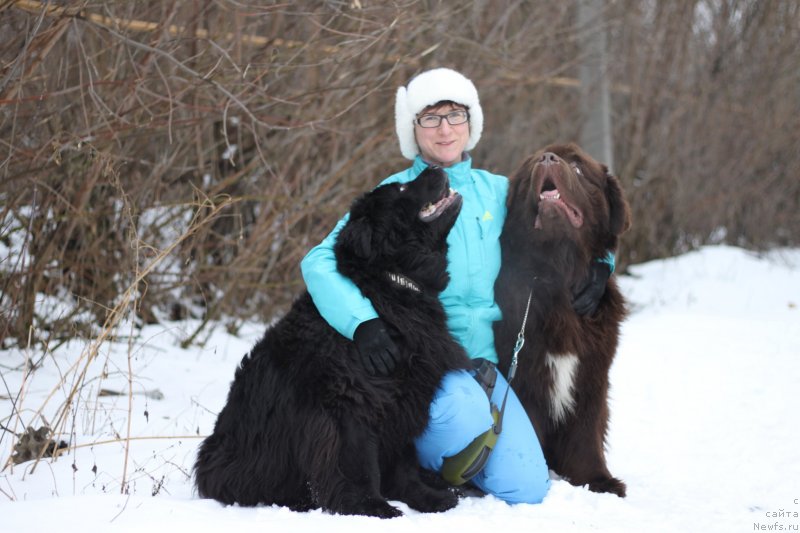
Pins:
x: 516, y: 471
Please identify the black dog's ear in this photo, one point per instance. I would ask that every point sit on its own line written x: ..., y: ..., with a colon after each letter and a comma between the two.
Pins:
x: 620, y: 211
x: 356, y: 236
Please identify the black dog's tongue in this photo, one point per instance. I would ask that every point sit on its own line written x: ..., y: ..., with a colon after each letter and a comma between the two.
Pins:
x: 432, y: 211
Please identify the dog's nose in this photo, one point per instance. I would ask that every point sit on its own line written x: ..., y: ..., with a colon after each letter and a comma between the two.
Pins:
x: 548, y: 158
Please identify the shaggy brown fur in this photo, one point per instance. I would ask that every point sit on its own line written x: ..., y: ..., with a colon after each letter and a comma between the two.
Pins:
x: 564, y: 210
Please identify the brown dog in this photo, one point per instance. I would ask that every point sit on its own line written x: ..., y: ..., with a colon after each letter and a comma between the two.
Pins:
x: 564, y: 211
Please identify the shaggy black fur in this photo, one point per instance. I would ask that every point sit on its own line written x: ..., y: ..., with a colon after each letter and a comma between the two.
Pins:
x: 305, y: 425
x: 564, y: 210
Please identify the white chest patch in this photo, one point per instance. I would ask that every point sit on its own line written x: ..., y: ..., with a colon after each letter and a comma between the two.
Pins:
x: 563, y: 368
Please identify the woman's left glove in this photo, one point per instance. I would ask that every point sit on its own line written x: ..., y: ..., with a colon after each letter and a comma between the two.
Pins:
x: 586, y: 296
x: 378, y: 351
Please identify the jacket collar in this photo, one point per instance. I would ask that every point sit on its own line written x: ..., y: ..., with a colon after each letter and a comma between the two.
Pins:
x: 459, y: 174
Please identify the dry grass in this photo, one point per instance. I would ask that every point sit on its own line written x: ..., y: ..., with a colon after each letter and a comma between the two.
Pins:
x: 122, y: 122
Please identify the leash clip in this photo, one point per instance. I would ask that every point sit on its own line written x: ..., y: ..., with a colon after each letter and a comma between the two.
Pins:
x: 515, y: 357
x: 519, y: 344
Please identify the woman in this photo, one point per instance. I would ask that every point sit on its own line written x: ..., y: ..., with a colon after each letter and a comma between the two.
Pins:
x: 438, y: 119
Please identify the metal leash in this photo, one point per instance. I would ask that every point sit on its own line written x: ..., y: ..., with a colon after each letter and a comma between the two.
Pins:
x: 514, y: 360
x: 520, y: 340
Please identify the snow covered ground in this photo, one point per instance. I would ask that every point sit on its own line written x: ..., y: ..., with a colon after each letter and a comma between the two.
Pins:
x: 705, y: 426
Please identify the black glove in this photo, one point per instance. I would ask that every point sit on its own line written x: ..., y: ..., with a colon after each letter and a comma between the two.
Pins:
x: 378, y: 352
x: 586, y: 296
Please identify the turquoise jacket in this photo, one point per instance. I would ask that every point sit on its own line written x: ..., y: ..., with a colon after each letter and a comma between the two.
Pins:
x: 473, y: 264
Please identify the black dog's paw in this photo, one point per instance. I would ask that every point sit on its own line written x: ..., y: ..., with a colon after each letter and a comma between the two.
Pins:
x: 468, y: 491
x: 382, y: 509
x: 370, y: 507
x: 435, y: 481
x: 432, y: 500
x: 610, y: 484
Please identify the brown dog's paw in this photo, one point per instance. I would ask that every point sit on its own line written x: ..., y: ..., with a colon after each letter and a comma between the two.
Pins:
x: 610, y: 484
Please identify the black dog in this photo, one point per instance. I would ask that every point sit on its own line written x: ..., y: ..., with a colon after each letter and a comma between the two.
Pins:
x: 564, y: 209
x: 305, y: 425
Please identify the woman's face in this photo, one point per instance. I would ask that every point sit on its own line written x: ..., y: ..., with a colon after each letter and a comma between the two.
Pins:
x: 444, y: 144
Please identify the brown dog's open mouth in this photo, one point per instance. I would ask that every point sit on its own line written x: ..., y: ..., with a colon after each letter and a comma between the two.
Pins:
x: 432, y: 211
x: 549, y: 196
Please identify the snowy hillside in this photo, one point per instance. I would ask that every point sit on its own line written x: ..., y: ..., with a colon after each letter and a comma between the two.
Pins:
x: 705, y: 424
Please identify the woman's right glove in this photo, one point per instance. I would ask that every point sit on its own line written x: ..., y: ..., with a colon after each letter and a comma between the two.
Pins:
x: 379, y: 353
x: 586, y: 297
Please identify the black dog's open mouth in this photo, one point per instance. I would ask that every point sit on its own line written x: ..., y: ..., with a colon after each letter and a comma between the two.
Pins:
x: 432, y: 211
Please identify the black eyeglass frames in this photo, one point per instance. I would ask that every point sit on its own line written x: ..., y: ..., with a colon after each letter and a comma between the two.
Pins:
x: 454, y: 118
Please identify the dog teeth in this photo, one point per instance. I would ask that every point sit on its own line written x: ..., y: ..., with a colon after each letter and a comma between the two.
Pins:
x: 556, y: 196
x: 430, y: 207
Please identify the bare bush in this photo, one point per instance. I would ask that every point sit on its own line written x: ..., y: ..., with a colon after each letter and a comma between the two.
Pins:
x: 708, y: 135
x: 123, y: 122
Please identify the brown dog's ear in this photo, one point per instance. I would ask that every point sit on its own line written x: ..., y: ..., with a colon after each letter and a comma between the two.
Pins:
x: 519, y: 185
x: 620, y: 211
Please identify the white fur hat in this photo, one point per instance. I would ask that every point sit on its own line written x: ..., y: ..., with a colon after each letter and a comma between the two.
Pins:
x: 426, y: 89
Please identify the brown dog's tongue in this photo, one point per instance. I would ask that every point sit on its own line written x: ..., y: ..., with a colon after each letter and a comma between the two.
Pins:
x: 551, y: 195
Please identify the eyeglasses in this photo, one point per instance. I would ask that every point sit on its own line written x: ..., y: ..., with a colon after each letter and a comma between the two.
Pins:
x: 454, y: 118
